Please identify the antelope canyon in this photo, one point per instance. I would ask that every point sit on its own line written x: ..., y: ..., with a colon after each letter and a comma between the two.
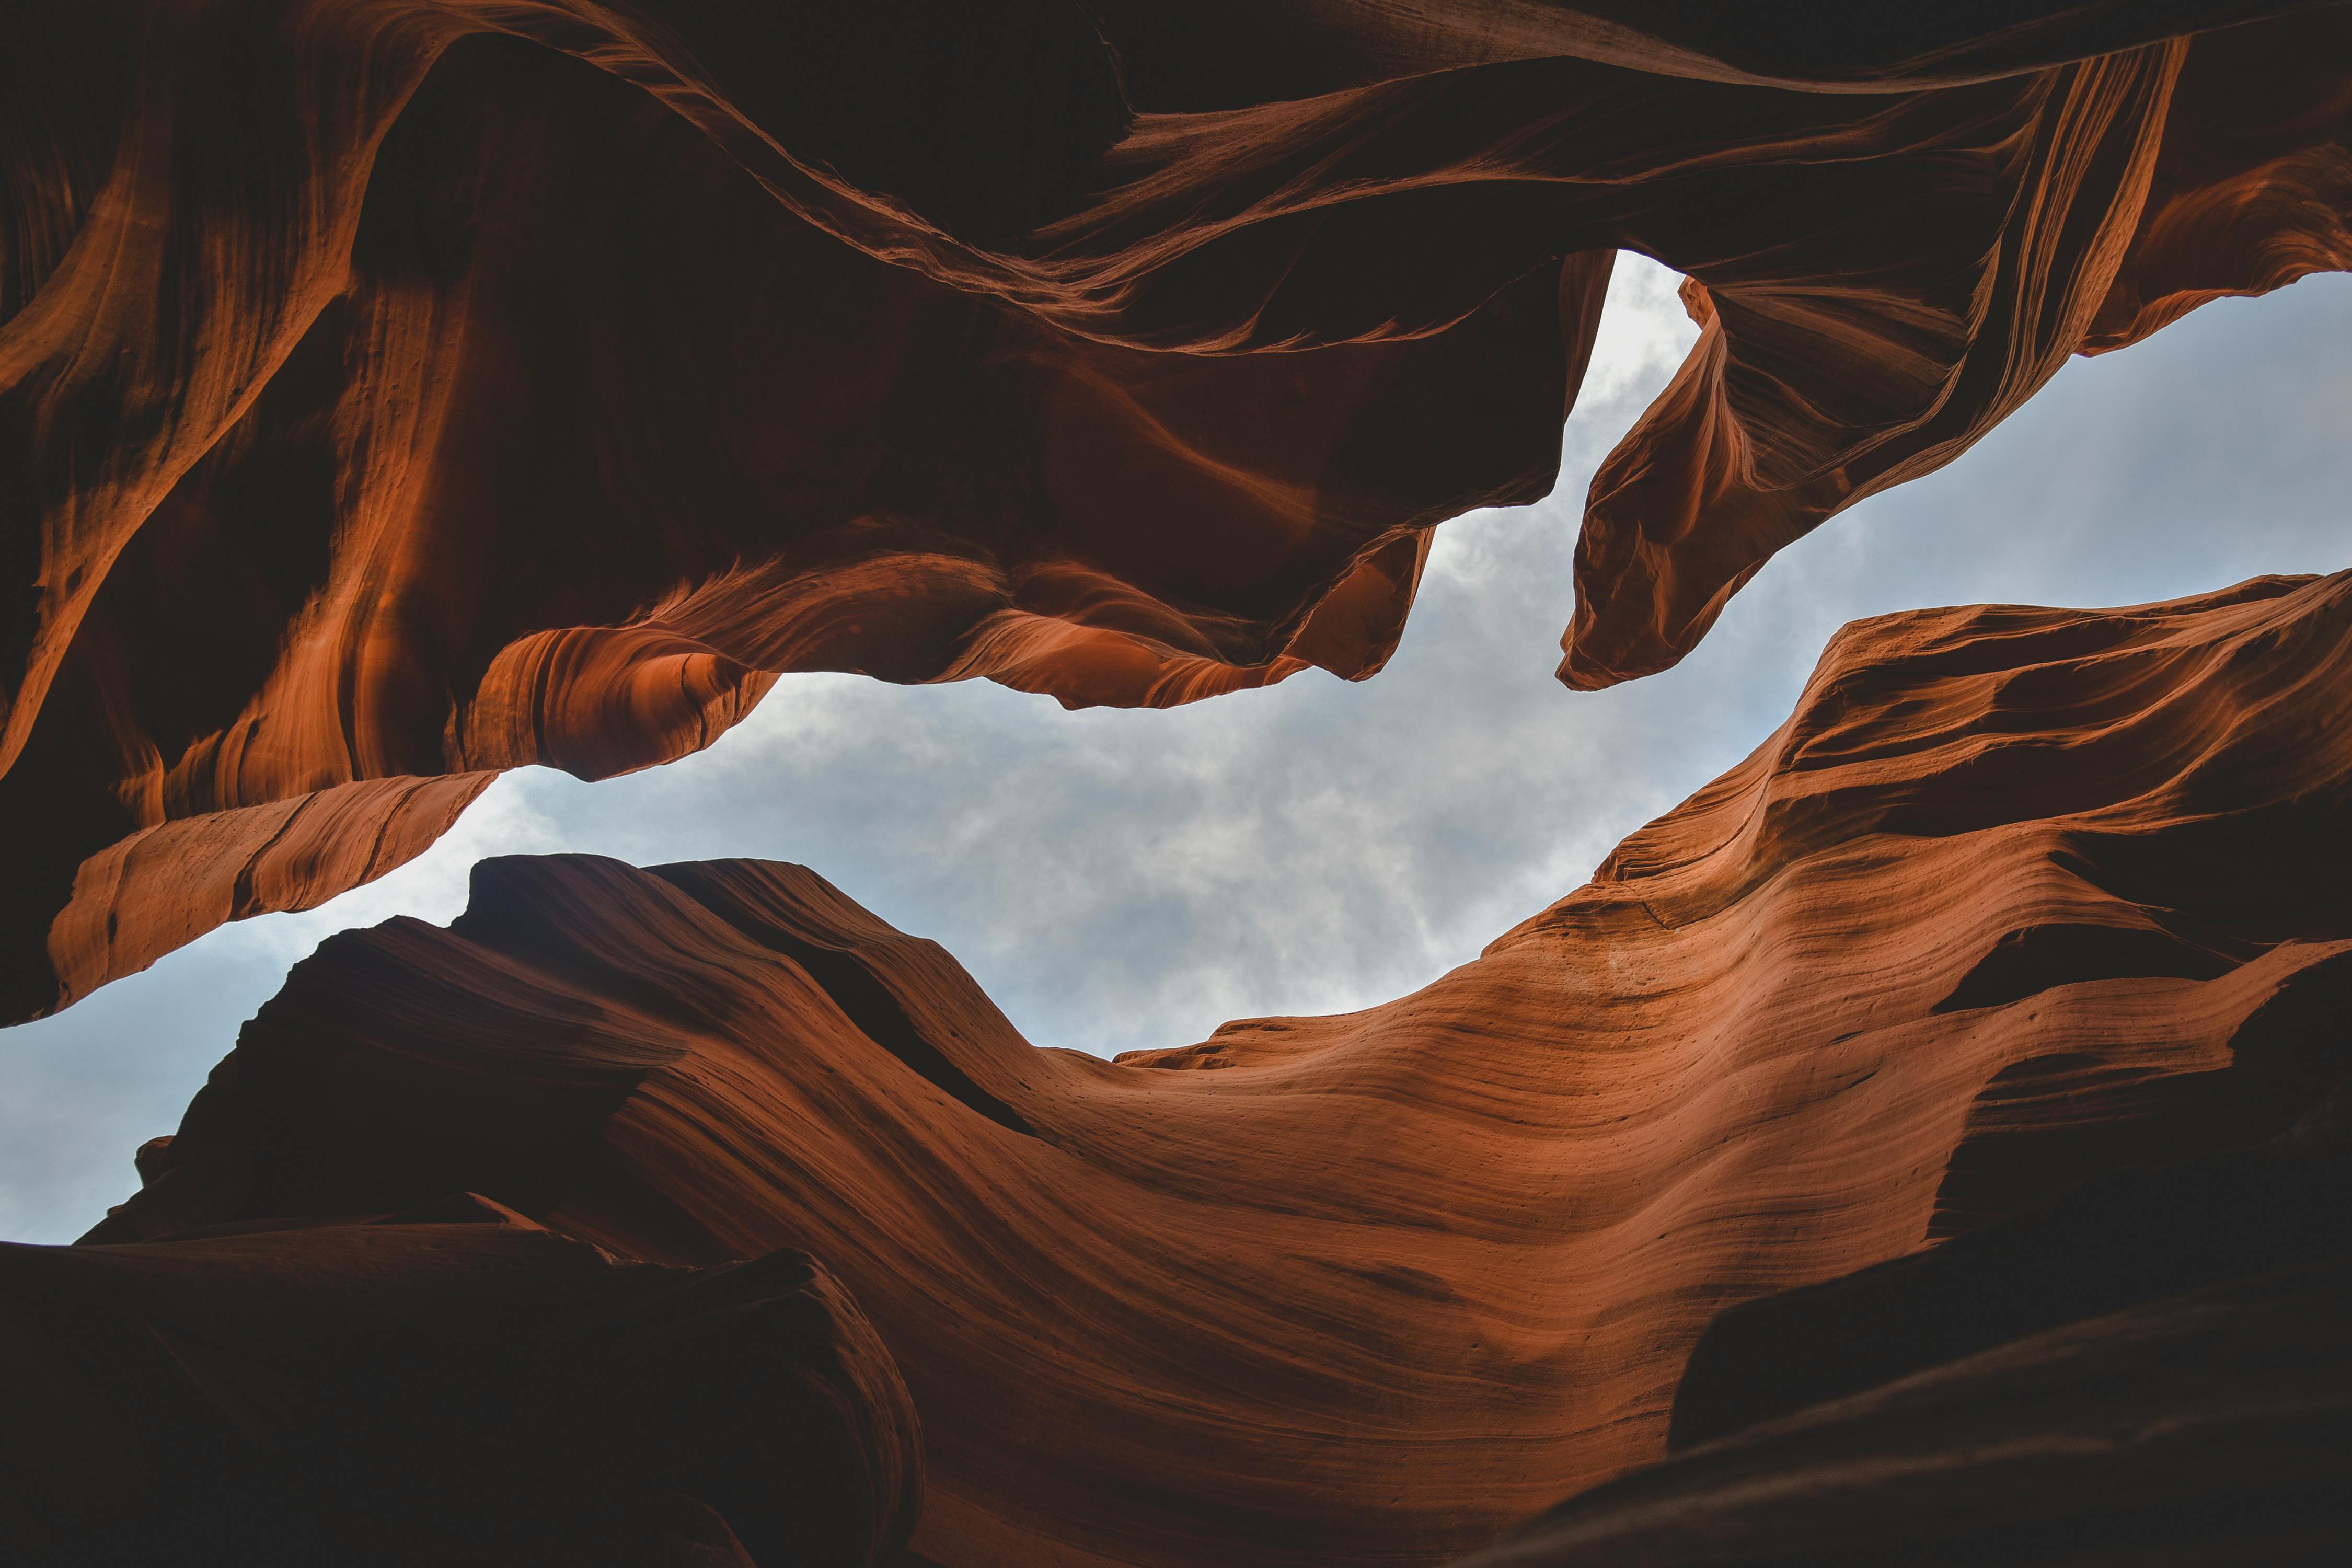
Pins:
x: 1925, y: 1143
x: 2017, y: 899
x: 399, y: 393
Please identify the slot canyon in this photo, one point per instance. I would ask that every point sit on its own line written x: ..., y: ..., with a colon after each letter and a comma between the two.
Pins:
x: 1925, y: 1143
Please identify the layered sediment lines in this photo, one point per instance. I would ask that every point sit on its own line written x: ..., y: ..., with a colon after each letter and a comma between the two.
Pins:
x: 2207, y: 1428
x: 2015, y: 899
x: 2149, y: 1367
x: 394, y: 392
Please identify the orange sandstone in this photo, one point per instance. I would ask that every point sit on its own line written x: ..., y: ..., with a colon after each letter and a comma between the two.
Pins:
x: 392, y: 391
x: 1371, y: 1289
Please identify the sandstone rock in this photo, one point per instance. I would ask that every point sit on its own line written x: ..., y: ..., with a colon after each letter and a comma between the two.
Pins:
x: 393, y: 392
x: 2206, y: 1429
x: 451, y: 1384
x: 2150, y: 1368
x: 2002, y: 907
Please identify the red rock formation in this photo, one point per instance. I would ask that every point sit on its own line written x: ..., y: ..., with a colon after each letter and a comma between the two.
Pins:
x: 2150, y: 1369
x: 456, y: 1386
x: 2140, y: 187
x: 393, y: 392
x: 2004, y: 896
x: 2252, y: 188
x: 2207, y: 1428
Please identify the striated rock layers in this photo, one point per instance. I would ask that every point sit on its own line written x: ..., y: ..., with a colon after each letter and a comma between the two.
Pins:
x: 2018, y: 898
x: 2206, y: 1429
x: 2150, y: 1368
x: 392, y: 391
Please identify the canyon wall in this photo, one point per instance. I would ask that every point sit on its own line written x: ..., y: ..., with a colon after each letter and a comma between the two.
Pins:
x: 452, y: 1384
x: 2018, y: 902
x: 393, y: 392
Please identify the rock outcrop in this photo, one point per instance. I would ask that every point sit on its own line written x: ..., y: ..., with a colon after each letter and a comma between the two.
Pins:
x: 2148, y: 1369
x: 392, y: 391
x: 2206, y: 1429
x: 450, y: 1385
x: 2017, y: 899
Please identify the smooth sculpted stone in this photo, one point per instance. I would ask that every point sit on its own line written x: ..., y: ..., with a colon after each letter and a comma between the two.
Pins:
x: 392, y: 391
x: 2199, y: 1431
x: 2150, y: 1368
x: 2017, y: 898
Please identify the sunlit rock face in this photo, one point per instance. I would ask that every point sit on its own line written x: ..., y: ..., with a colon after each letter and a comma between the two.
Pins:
x: 2206, y: 1427
x: 2018, y: 898
x: 392, y: 391
x: 2149, y: 1367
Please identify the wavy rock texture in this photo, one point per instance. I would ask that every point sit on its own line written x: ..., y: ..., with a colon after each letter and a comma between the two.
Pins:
x: 2250, y: 189
x: 2015, y: 897
x: 450, y: 1385
x: 397, y: 391
x: 2151, y: 1368
x: 2207, y: 1428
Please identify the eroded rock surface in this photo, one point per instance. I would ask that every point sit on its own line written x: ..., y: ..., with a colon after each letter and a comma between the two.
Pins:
x: 2149, y: 1368
x: 2015, y: 897
x: 391, y: 392
x: 2207, y: 1428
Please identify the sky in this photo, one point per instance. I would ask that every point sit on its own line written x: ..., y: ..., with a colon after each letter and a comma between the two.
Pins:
x: 1120, y: 880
